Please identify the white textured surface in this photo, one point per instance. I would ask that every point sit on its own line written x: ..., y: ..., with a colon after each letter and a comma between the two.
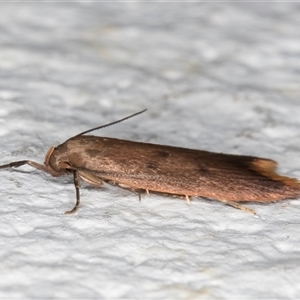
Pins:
x: 217, y: 76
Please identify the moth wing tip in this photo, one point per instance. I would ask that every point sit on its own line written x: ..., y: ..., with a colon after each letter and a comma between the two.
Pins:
x: 267, y: 167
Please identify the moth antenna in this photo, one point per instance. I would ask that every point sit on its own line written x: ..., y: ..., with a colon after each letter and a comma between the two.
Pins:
x: 109, y: 124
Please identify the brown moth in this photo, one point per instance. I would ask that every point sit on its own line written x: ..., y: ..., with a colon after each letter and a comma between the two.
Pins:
x: 165, y: 169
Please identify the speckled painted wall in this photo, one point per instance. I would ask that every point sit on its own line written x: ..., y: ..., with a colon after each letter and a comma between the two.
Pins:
x: 222, y: 77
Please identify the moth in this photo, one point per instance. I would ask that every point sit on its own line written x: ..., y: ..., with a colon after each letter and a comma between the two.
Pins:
x: 186, y: 173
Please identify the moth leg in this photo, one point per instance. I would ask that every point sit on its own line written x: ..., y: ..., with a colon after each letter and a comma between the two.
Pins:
x: 77, y: 186
x: 238, y: 206
x: 140, y: 194
x: 17, y: 164
x: 90, y: 178
x: 187, y: 198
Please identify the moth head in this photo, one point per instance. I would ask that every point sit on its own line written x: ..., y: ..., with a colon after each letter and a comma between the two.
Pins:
x: 54, y: 163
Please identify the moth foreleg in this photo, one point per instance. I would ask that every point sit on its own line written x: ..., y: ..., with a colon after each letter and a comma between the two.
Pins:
x: 77, y: 189
x: 90, y: 178
x: 17, y: 164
